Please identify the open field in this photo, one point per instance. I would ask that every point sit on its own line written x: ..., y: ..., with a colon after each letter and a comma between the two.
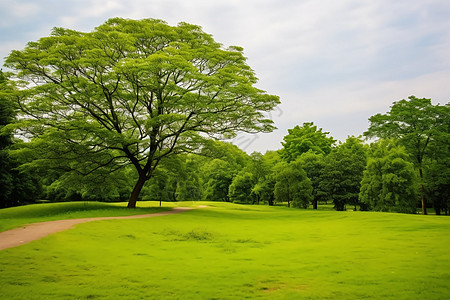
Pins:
x: 229, y: 251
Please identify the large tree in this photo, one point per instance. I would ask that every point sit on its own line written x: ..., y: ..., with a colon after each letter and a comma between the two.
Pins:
x: 132, y: 91
x: 416, y: 123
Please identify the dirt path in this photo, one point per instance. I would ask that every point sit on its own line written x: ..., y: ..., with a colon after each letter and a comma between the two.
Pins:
x: 25, y: 234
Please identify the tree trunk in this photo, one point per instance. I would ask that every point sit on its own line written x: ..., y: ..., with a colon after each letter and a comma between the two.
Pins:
x: 136, y: 191
x: 422, y: 189
x: 314, y: 204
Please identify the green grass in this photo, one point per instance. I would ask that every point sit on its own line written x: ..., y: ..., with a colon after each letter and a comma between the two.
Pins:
x: 16, y: 216
x: 231, y: 251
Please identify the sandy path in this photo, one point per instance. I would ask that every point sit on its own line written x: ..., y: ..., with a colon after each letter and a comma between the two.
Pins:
x: 25, y: 234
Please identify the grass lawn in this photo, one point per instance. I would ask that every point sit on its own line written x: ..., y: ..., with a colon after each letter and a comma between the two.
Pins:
x: 16, y: 216
x: 229, y: 251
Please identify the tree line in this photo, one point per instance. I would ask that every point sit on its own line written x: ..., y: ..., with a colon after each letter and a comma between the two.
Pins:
x: 135, y: 109
x: 311, y: 168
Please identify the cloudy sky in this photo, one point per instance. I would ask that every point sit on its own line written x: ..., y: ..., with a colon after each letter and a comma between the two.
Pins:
x: 332, y: 62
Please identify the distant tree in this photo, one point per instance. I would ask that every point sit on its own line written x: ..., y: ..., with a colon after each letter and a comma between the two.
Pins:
x: 225, y: 151
x: 220, y: 163
x: 263, y: 167
x: 416, y: 123
x: 303, y: 139
x: 437, y: 181
x: 258, y: 166
x: 389, y: 182
x: 437, y: 171
x: 240, y: 190
x: 314, y: 165
x: 342, y: 174
x: 189, y: 188
x: 132, y: 92
x: 292, y: 185
x: 263, y: 191
x: 218, y: 175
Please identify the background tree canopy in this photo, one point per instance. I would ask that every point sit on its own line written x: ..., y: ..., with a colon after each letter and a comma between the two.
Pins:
x: 303, y: 139
x: 416, y: 123
x: 131, y: 92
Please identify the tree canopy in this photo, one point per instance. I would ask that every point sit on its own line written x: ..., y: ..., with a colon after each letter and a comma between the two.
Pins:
x: 415, y: 123
x: 303, y: 139
x: 132, y: 92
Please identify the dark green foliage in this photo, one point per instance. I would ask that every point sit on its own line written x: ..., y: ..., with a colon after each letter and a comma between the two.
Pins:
x: 342, y: 174
x: 217, y: 180
x: 17, y: 186
x: 261, y: 166
x: 240, y: 190
x: 220, y: 163
x: 292, y: 185
x: 263, y: 191
x: 314, y: 165
x: 437, y: 180
x: 389, y: 182
x: 416, y: 123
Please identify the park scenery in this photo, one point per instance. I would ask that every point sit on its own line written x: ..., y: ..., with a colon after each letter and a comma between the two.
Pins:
x: 118, y: 180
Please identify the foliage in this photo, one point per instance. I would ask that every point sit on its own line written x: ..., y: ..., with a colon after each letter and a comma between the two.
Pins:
x: 218, y: 178
x: 314, y: 165
x: 131, y: 92
x: 303, y: 139
x: 292, y: 185
x: 342, y: 173
x: 240, y: 189
x: 189, y: 186
x: 17, y: 186
x: 261, y: 166
x: 437, y: 181
x: 437, y: 171
x: 415, y: 123
x: 389, y: 182
x: 219, y: 163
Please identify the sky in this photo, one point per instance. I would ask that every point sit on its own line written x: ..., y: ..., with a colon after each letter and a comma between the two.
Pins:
x: 331, y: 62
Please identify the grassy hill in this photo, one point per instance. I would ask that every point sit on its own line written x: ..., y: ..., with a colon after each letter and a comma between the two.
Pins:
x: 228, y: 251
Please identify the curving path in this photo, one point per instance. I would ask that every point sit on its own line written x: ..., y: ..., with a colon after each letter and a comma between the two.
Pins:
x: 28, y: 233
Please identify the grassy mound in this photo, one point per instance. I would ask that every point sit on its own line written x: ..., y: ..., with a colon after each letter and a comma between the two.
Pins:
x: 228, y: 251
